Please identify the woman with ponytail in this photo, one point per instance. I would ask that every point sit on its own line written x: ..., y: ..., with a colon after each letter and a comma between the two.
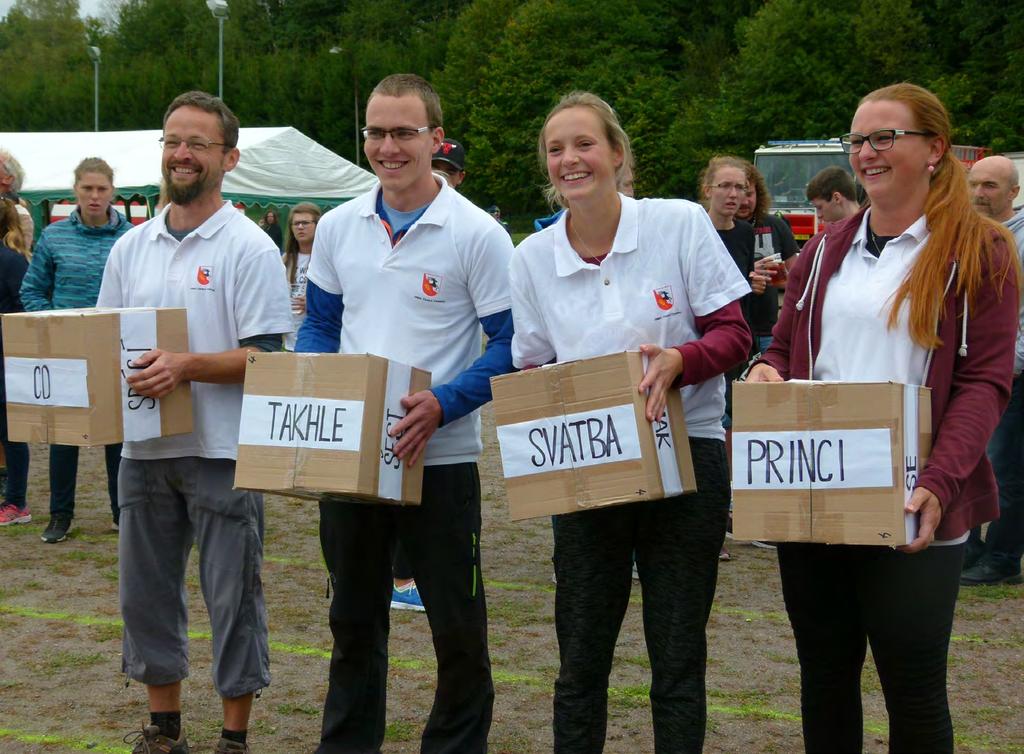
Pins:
x: 918, y: 288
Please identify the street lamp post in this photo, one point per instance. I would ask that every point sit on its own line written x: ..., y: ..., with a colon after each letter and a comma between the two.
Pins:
x: 94, y: 56
x: 219, y: 9
x: 355, y: 98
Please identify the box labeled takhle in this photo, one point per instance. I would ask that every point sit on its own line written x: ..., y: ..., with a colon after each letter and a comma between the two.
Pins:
x: 319, y: 423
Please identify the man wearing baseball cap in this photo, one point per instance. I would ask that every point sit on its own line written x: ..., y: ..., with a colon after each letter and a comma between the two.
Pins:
x: 450, y: 161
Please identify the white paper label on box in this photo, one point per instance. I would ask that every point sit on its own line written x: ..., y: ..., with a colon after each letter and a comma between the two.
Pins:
x: 668, y: 465
x: 820, y: 459
x: 911, y: 458
x: 389, y: 477
x: 47, y: 382
x: 588, y: 438
x: 290, y: 421
x: 141, y: 415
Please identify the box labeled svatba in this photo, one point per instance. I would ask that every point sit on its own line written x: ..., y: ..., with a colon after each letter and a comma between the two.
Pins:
x: 829, y: 462
x: 573, y: 437
x: 65, y: 373
x: 319, y: 423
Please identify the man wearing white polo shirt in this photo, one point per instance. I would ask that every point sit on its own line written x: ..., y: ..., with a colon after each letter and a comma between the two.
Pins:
x: 412, y: 271
x: 200, y: 253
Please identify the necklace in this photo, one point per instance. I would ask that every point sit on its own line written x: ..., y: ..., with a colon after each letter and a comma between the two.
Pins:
x: 591, y: 257
x: 873, y: 240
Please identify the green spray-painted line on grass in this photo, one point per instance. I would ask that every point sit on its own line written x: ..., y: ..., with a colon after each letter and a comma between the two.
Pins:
x: 518, y: 586
x: 75, y: 744
x: 635, y: 694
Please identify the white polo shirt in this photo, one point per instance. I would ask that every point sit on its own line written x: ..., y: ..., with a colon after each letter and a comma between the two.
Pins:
x: 419, y: 303
x: 228, y: 274
x: 667, y: 267
x: 857, y: 344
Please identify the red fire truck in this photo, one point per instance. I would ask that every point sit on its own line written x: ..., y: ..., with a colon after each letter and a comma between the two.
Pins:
x: 787, y: 167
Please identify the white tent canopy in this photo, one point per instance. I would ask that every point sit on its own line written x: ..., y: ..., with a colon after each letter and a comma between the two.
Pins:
x: 278, y: 165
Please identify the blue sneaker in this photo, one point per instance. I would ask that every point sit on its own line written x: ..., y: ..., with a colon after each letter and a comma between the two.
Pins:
x: 407, y: 598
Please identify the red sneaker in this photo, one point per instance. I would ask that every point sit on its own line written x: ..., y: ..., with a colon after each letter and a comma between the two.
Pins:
x: 12, y: 514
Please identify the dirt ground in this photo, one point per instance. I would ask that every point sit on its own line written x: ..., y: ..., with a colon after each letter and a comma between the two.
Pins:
x: 61, y: 688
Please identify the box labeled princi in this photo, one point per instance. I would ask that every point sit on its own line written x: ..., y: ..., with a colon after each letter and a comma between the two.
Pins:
x: 65, y: 373
x: 829, y: 462
x: 573, y: 437
x: 319, y: 423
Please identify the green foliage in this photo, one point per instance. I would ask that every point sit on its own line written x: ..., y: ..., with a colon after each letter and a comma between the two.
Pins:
x: 687, y: 79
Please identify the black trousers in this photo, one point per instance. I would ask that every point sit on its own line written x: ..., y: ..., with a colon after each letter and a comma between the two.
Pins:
x: 441, y: 538
x: 839, y: 598
x: 677, y: 541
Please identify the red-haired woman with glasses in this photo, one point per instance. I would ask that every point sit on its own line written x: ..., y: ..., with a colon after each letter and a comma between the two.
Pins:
x: 918, y: 289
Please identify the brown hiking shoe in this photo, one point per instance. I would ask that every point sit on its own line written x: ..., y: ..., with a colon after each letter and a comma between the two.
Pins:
x: 149, y: 741
x: 225, y: 746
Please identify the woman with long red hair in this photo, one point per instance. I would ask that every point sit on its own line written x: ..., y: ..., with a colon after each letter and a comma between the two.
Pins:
x: 917, y: 288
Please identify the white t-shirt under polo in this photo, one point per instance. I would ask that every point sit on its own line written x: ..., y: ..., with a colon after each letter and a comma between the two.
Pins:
x: 857, y: 344
x: 667, y: 267
x: 419, y: 303
x: 228, y: 275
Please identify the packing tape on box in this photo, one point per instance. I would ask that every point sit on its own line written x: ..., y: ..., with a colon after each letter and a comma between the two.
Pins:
x: 668, y: 464
x: 911, y: 456
x: 389, y: 476
x: 140, y: 415
x: 47, y: 382
x: 300, y: 422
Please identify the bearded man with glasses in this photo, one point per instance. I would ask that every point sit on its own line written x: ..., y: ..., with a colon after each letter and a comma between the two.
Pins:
x: 203, y: 255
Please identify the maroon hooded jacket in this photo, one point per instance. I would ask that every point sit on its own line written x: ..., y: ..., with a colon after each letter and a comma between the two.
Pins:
x: 970, y: 373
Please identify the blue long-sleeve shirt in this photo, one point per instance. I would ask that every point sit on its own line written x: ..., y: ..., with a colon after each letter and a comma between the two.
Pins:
x: 470, y: 389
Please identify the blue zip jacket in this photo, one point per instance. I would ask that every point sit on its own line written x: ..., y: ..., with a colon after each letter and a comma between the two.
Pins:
x: 68, y: 261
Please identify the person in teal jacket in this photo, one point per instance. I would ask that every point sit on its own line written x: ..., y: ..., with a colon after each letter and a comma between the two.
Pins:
x: 65, y: 273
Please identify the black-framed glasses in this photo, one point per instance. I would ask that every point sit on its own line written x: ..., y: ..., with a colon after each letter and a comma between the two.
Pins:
x: 194, y: 145
x: 302, y: 223
x: 399, y: 134
x: 726, y: 186
x: 880, y: 140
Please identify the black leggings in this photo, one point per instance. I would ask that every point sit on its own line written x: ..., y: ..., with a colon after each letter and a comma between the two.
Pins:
x: 676, y: 542
x: 839, y: 598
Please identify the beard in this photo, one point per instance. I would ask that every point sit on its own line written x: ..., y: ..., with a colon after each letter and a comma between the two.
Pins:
x: 183, y: 195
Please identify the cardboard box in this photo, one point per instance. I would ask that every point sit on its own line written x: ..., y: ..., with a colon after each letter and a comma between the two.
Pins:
x: 318, y: 423
x: 827, y: 462
x: 65, y: 375
x: 573, y: 436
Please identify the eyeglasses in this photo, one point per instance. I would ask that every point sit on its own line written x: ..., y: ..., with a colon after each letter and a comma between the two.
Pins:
x: 399, y: 134
x: 727, y: 187
x: 445, y: 167
x: 880, y: 140
x: 194, y: 145
x: 302, y: 223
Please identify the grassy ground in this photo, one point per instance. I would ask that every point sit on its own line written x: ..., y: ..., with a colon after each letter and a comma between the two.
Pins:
x: 61, y: 687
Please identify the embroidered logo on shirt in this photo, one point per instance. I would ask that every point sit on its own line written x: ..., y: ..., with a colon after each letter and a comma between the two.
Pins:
x: 204, y: 280
x: 663, y: 297
x: 431, y: 284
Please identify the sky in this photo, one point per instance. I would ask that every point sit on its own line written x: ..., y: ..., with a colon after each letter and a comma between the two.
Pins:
x: 86, y: 7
